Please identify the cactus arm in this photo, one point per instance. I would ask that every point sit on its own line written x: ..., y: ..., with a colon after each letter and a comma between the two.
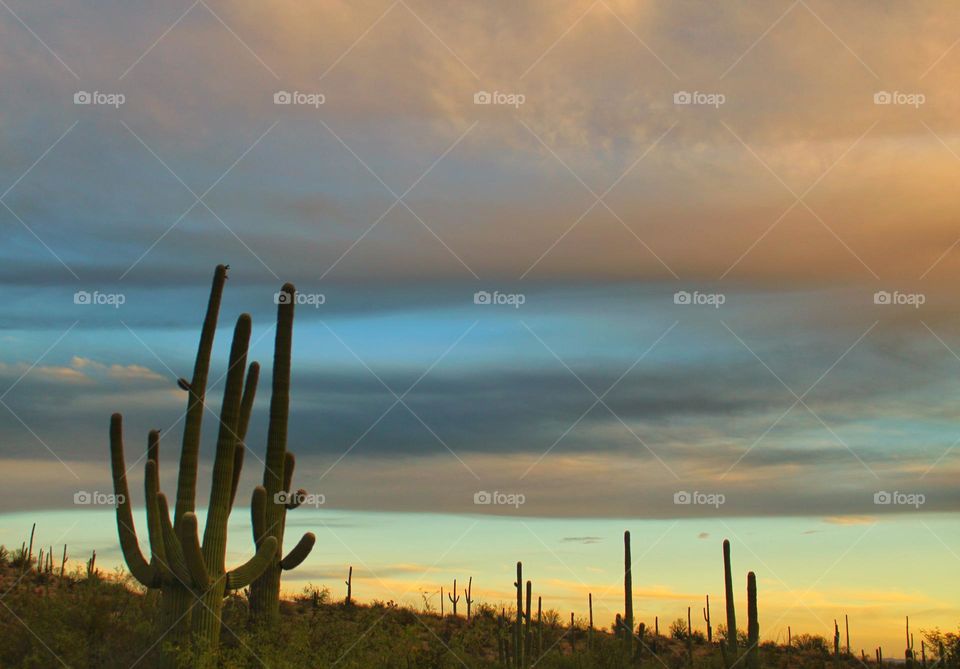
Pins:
x: 299, y: 552
x: 265, y: 590
x: 276, y: 461
x: 171, y: 544
x: 136, y: 563
x: 215, y: 532
x: 246, y: 408
x: 187, y: 478
x: 151, y: 484
x: 192, y: 554
x: 243, y: 575
x: 258, y: 511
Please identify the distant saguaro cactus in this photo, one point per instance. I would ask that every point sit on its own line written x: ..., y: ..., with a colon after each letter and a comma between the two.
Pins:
x: 706, y: 619
x: 627, y: 594
x: 731, y: 606
x: 467, y: 597
x: 454, y: 598
x: 518, y: 626
x: 753, y: 624
x: 349, y: 584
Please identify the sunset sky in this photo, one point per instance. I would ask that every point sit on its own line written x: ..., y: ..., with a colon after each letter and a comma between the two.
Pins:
x: 812, y: 176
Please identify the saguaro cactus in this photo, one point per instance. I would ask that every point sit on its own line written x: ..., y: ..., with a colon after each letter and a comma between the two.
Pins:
x: 518, y: 627
x: 731, y: 607
x: 186, y: 571
x: 349, y: 584
x: 753, y: 624
x: 706, y: 619
x: 272, y: 499
x: 627, y: 594
x: 467, y: 597
x: 454, y: 598
x: 528, y: 637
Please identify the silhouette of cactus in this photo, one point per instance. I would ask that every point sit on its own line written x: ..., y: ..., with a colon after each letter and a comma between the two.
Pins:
x: 528, y: 637
x: 467, y: 597
x: 753, y: 624
x: 590, y: 628
x: 731, y: 607
x: 349, y: 584
x: 627, y: 594
x: 272, y: 499
x: 706, y: 619
x: 518, y: 626
x: 454, y: 598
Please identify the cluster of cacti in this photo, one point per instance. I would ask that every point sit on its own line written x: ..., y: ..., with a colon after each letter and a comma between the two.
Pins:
x: 186, y: 571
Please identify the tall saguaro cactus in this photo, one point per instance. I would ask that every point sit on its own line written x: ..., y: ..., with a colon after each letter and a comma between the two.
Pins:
x: 185, y: 571
x: 731, y: 606
x: 753, y: 624
x: 627, y: 594
x: 272, y: 499
x: 518, y: 626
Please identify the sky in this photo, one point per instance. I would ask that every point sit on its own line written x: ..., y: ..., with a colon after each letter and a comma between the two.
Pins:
x: 593, y: 254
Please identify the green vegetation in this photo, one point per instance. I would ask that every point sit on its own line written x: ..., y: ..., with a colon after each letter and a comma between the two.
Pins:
x: 107, y: 621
